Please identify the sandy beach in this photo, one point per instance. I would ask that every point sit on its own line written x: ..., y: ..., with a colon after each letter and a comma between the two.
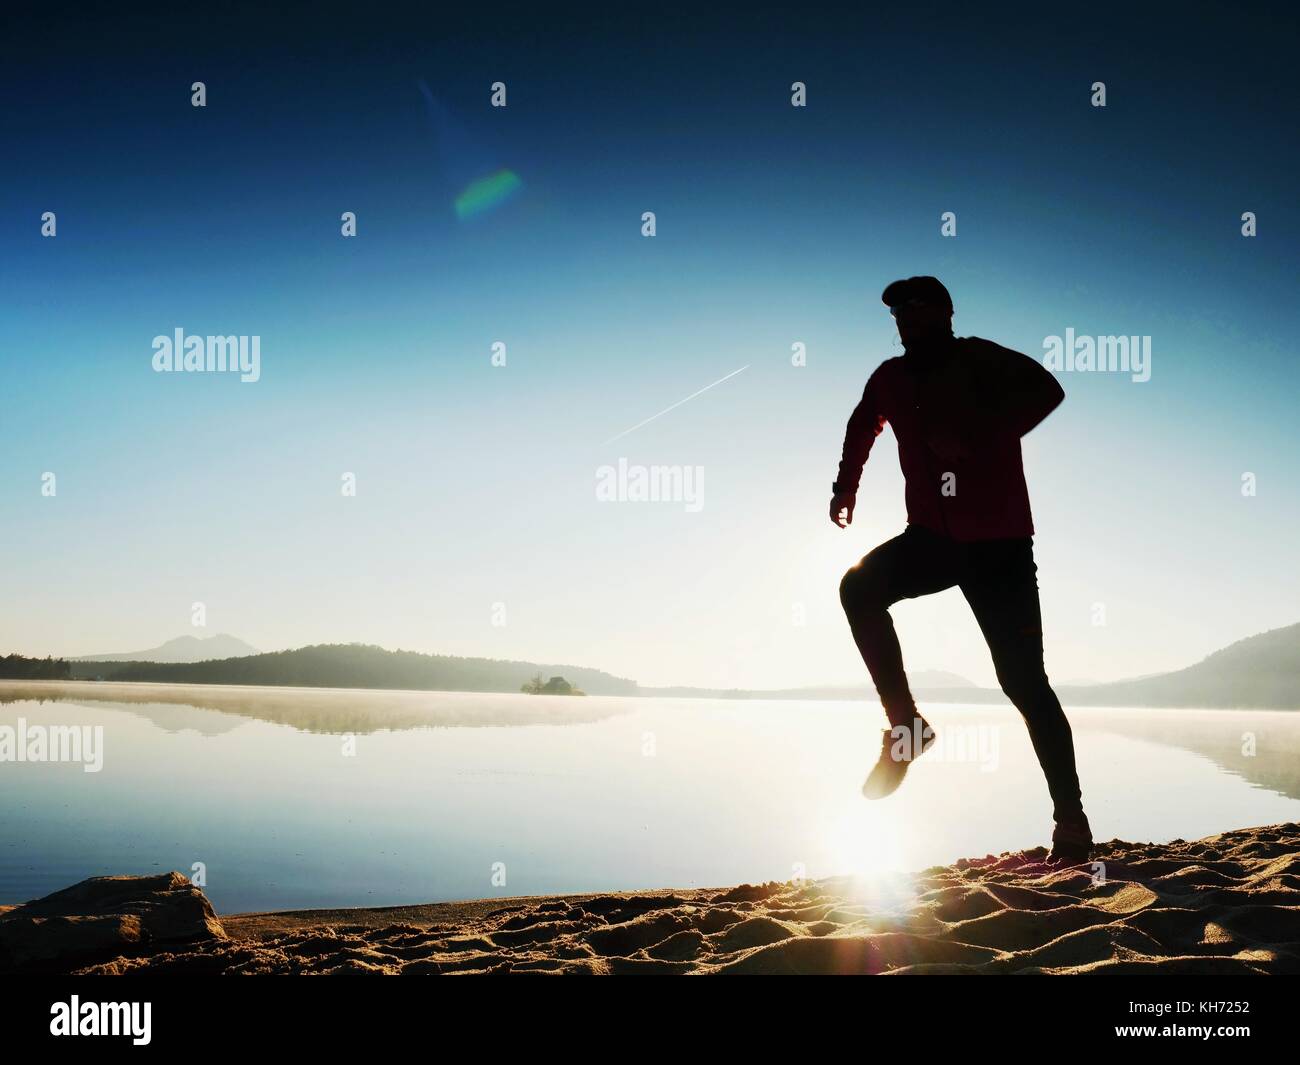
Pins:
x: 1225, y: 904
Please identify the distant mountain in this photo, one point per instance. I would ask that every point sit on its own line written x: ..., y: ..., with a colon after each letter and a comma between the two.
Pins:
x: 1260, y: 672
x: 181, y: 649
x: 357, y: 666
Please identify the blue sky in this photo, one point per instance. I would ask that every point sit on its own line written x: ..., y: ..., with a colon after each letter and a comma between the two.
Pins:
x: 776, y: 225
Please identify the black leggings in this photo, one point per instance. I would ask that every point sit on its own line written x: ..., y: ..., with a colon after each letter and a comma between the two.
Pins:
x: 999, y: 580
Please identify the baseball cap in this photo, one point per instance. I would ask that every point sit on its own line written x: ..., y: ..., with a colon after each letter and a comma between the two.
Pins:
x: 926, y: 289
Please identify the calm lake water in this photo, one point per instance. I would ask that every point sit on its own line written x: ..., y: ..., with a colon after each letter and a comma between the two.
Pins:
x: 296, y: 798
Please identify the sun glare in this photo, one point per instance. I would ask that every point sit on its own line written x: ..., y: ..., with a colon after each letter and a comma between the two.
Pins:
x: 866, y: 846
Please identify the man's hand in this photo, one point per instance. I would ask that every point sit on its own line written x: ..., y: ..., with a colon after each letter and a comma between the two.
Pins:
x: 842, y: 504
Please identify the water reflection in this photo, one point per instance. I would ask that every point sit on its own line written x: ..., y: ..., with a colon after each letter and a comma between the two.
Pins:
x: 186, y: 707
x: 1260, y: 746
x: 623, y: 793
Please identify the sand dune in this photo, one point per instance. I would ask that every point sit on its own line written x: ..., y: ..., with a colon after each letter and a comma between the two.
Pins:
x: 1226, y: 904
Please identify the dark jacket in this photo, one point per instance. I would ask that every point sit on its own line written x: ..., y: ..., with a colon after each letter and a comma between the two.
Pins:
x: 962, y: 395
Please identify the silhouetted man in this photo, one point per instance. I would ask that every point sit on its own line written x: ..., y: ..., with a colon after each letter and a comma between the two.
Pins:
x: 958, y: 407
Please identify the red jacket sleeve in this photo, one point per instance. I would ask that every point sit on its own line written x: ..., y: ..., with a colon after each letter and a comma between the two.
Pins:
x: 1018, y: 392
x: 865, y: 424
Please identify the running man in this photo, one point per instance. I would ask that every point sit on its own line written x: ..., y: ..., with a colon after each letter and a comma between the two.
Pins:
x: 958, y: 407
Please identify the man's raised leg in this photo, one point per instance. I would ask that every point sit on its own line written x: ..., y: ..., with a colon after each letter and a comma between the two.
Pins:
x: 913, y: 564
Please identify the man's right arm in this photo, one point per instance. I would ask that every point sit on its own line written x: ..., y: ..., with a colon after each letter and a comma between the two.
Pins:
x: 865, y: 424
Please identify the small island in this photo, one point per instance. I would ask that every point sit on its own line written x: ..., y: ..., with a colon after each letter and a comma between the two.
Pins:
x: 554, y: 686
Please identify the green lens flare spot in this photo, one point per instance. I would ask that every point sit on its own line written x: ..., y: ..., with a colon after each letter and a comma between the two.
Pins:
x: 487, y: 193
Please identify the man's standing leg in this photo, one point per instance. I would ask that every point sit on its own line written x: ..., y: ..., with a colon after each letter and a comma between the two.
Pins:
x: 1000, y: 582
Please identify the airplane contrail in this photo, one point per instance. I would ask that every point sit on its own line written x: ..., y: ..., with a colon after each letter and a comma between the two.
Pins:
x: 674, y: 406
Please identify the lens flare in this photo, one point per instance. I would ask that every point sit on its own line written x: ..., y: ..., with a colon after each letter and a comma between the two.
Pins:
x: 487, y: 194
x: 469, y: 159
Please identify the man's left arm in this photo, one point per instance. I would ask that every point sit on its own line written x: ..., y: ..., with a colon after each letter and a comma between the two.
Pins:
x: 1018, y: 392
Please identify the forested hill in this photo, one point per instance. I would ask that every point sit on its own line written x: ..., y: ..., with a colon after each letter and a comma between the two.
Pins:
x: 1260, y: 671
x: 358, y: 666
x: 16, y: 667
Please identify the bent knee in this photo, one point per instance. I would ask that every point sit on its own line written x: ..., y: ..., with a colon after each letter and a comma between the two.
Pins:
x: 860, y: 589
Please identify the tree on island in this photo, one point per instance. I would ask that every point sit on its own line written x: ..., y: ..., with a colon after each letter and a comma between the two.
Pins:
x: 554, y: 686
